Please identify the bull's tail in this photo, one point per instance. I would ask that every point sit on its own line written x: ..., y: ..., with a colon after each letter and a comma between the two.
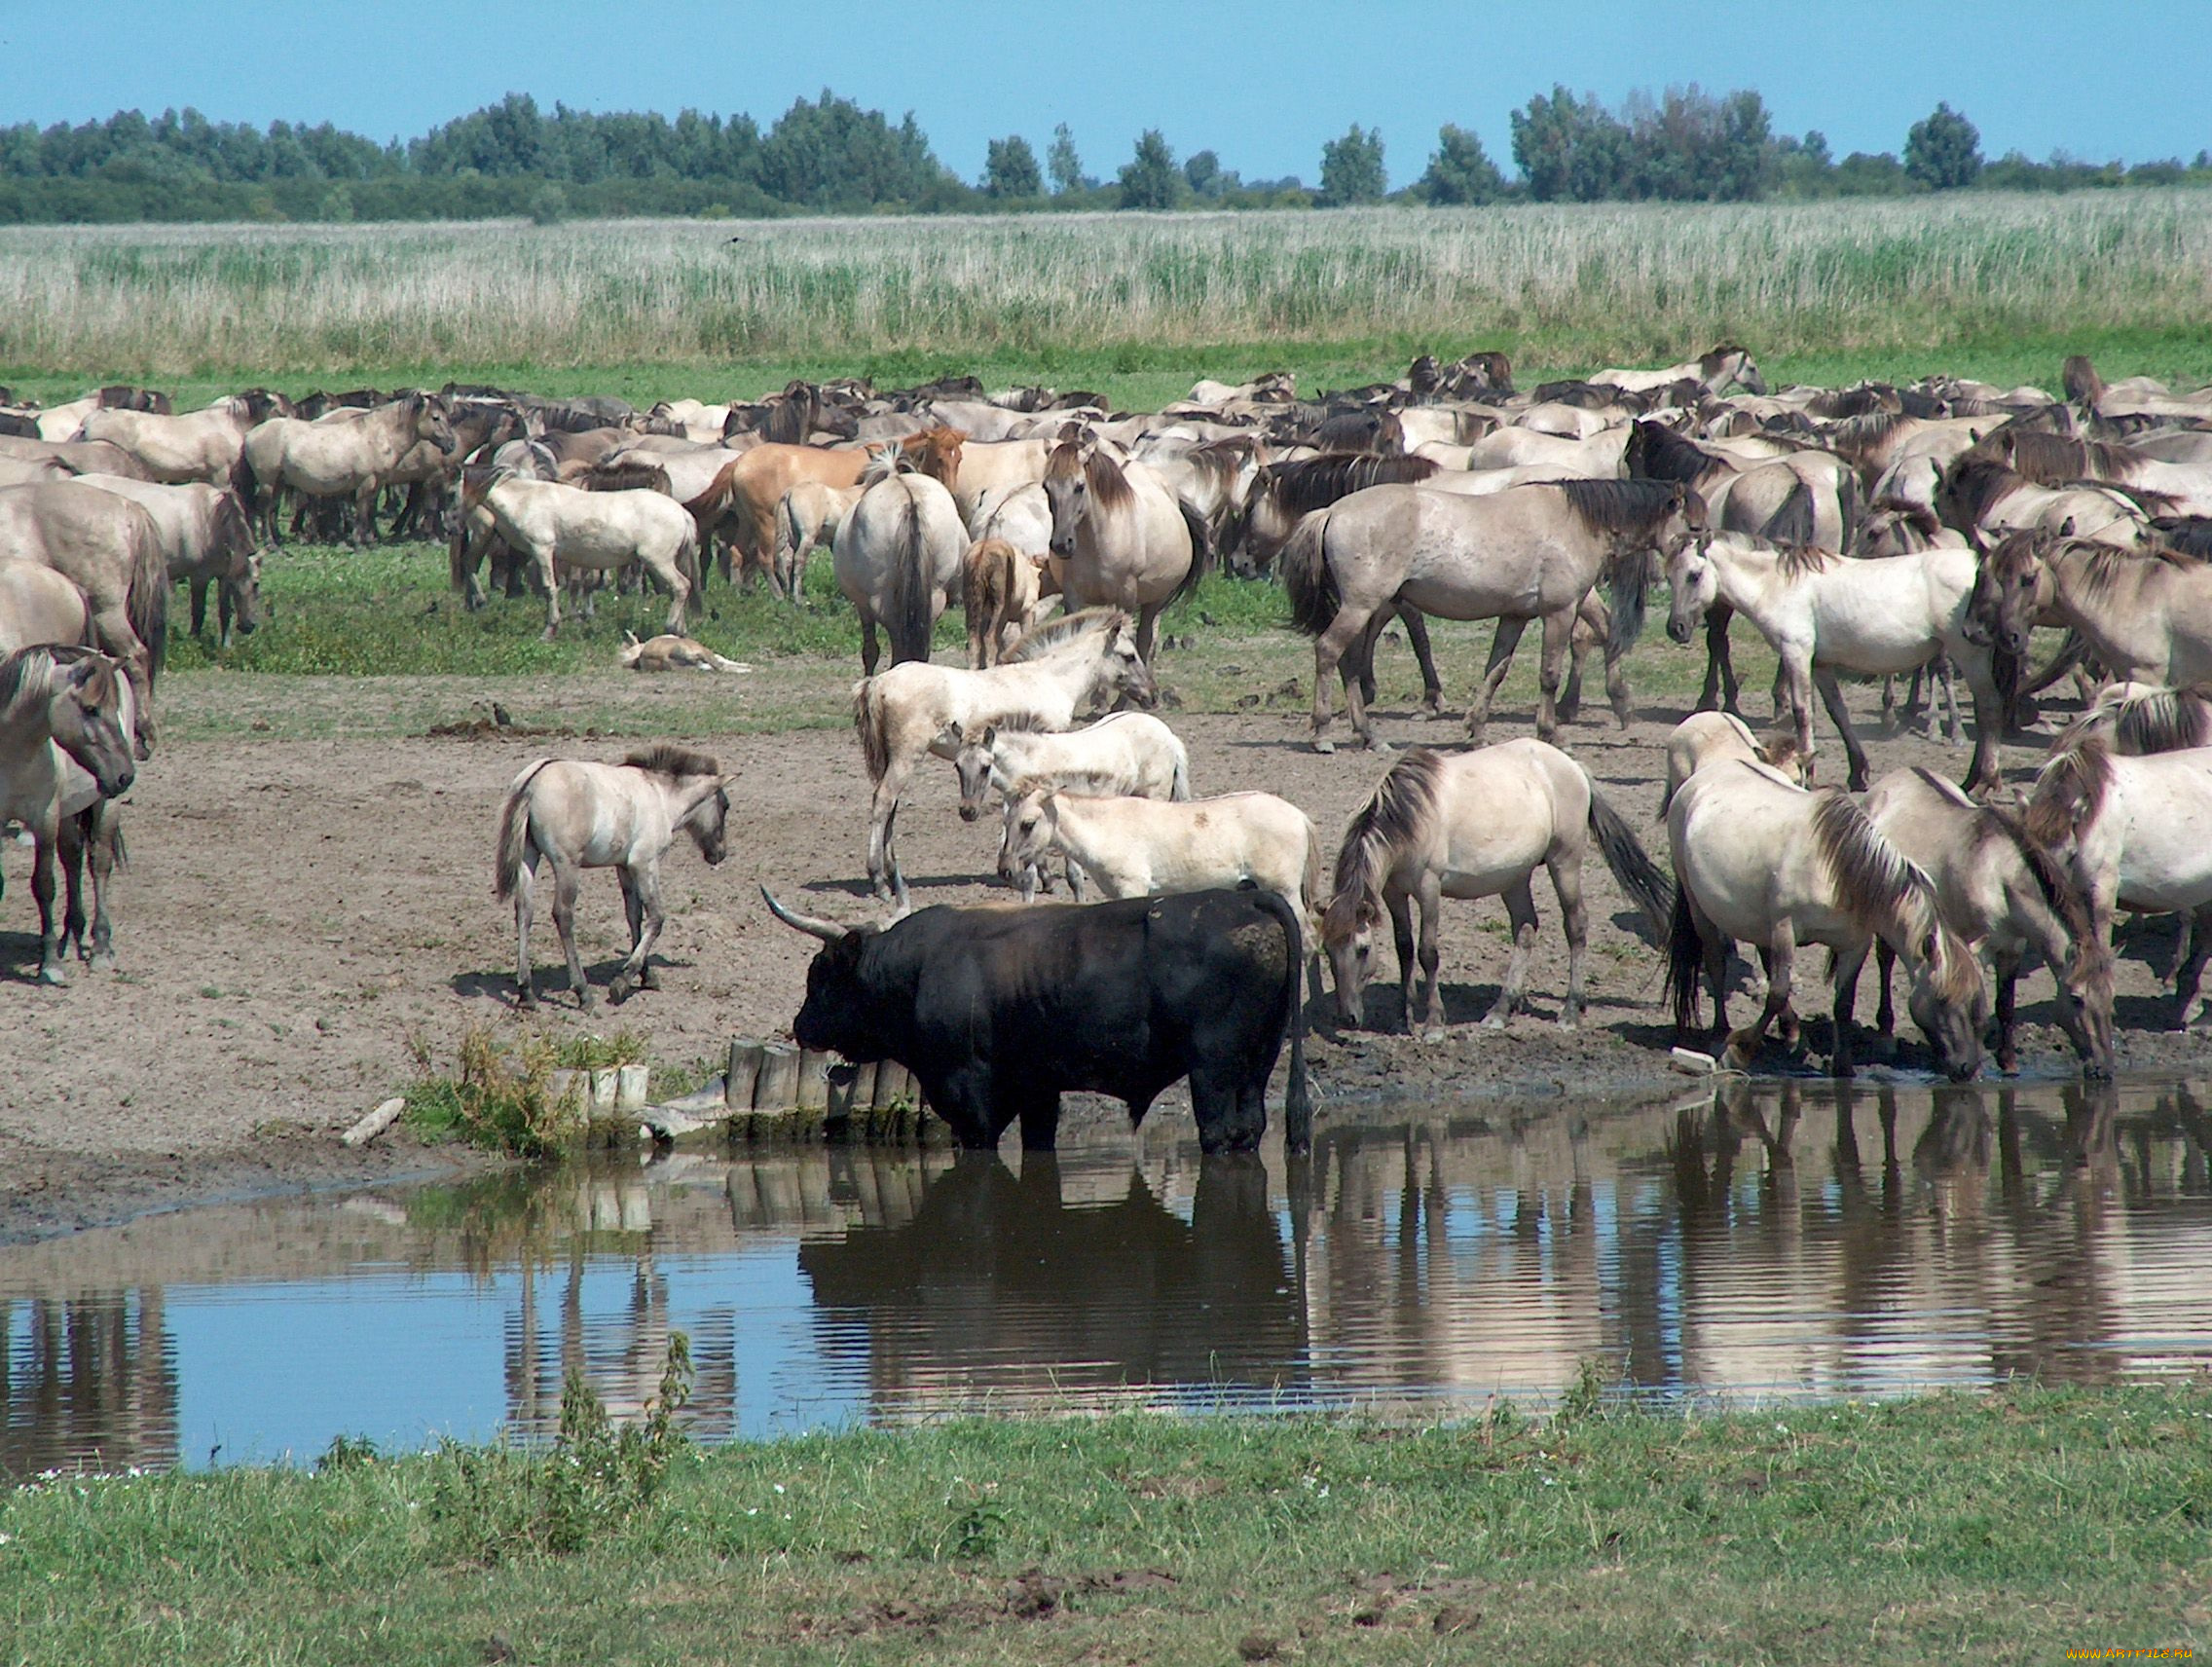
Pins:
x: 868, y: 722
x: 1297, y: 1100
x: 514, y: 832
x: 910, y: 620
x: 1685, y: 962
x: 1306, y: 577
x: 1644, y: 882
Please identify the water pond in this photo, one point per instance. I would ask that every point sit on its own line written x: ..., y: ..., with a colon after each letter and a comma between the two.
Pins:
x: 1780, y: 1241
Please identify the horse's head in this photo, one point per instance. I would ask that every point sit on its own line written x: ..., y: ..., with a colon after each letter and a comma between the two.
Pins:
x: 708, y: 821
x: 1067, y: 490
x: 88, y: 718
x: 1948, y: 1000
x: 430, y: 418
x: 1347, y: 933
x: 244, y: 587
x: 2008, y: 593
x: 1125, y: 668
x: 1694, y: 583
x: 1030, y: 824
x: 1730, y: 363
x: 936, y: 453
x: 972, y: 763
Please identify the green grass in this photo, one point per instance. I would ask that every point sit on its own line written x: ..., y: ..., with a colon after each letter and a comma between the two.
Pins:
x: 2011, y: 1527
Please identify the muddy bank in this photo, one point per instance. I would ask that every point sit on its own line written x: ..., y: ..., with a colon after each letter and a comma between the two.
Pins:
x: 305, y: 923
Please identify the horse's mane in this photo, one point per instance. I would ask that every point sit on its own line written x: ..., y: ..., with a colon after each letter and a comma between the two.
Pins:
x: 1220, y: 460
x: 2060, y: 459
x: 1795, y: 521
x: 1923, y: 520
x: 624, y: 474
x: 2080, y: 380
x: 2070, y: 788
x: 1661, y: 454
x: 2185, y: 534
x: 2103, y: 566
x: 1403, y: 804
x: 1856, y: 437
x: 1042, y: 640
x: 2156, y: 721
x: 28, y: 673
x: 884, y: 462
x: 1708, y: 363
x: 1883, y: 890
x: 1630, y: 506
x: 1797, y: 561
x: 1315, y: 483
x: 1869, y: 399
x: 1109, y: 487
x: 670, y: 760
x: 1977, y: 480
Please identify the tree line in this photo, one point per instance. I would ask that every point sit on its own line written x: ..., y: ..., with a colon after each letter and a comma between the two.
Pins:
x: 830, y: 156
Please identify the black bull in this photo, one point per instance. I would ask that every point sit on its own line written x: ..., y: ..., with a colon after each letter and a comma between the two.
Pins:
x: 999, y: 1011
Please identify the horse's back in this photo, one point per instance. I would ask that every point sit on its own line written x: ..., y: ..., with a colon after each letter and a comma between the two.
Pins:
x: 1501, y: 810
x: 1742, y: 839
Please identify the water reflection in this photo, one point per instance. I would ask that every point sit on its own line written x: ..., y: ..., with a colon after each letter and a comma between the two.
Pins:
x: 1792, y: 1240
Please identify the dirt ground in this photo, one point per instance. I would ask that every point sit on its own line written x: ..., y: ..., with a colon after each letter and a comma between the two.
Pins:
x: 301, y: 916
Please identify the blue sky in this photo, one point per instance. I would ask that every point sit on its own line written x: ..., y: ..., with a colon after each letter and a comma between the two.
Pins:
x: 1264, y: 86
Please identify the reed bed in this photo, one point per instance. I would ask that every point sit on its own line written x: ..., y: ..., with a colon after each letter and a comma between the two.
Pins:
x: 1597, y: 282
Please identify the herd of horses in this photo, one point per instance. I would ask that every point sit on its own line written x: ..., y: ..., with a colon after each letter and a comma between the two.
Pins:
x: 1872, y: 530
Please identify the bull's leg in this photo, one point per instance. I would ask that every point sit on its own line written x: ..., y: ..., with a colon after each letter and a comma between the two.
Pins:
x: 1559, y: 628
x: 567, y: 882
x: 1329, y: 650
x: 1832, y: 697
x: 526, y: 876
x: 1520, y: 912
x: 1575, y: 917
x: 1430, y: 897
x: 1425, y: 657
x: 1039, y: 1112
x: 1229, y: 1118
x: 1744, y: 1045
x: 1501, y: 649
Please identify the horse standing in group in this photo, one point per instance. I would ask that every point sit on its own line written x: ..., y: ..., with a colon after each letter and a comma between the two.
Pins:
x: 1121, y: 539
x: 896, y: 558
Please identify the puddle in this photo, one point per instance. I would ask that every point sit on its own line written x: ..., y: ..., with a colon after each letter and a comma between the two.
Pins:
x: 1788, y: 1240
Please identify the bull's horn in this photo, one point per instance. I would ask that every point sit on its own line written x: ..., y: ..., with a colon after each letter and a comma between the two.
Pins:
x: 829, y: 931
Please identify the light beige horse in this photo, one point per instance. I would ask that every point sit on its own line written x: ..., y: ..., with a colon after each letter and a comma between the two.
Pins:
x: 350, y: 458
x: 208, y: 540
x: 1725, y: 366
x: 574, y: 814
x: 38, y: 604
x: 897, y: 559
x: 1707, y: 738
x: 1530, y: 553
x: 57, y: 703
x: 998, y: 466
x: 914, y: 709
x: 1475, y: 825
x: 202, y: 446
x: 553, y: 527
x: 111, y: 551
x: 1120, y: 538
x: 807, y: 520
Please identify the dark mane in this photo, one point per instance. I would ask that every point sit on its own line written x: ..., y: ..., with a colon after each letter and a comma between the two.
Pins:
x: 670, y: 760
x: 1109, y: 486
x: 1976, y: 482
x: 1923, y: 520
x: 624, y: 474
x: 1887, y: 895
x: 2156, y: 721
x: 2185, y: 534
x: 1315, y: 483
x: 1632, y: 507
x: 1795, y: 561
x: 1403, y: 804
x: 1655, y: 452
x: 1858, y: 437
x: 2060, y: 459
x: 1866, y: 399
x: 18, y: 669
x: 2082, y: 384
x: 2103, y: 566
x: 1042, y: 639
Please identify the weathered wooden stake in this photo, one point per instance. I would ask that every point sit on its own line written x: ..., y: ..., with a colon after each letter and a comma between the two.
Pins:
x: 743, y: 1073
x: 813, y: 1081
x: 777, y: 1089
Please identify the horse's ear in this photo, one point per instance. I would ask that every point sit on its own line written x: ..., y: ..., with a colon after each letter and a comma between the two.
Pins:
x: 990, y: 733
x: 959, y: 739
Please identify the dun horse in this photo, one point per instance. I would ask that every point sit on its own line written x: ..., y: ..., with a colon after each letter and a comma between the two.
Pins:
x: 898, y: 559
x: 1120, y: 538
x: 573, y: 814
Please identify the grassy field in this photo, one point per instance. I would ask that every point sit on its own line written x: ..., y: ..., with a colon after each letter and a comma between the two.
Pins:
x: 2014, y: 1527
x: 2005, y: 285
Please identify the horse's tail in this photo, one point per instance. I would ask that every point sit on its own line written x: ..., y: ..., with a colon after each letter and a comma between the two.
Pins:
x: 789, y: 531
x: 1296, y: 1099
x: 246, y: 484
x: 1848, y: 508
x: 868, y: 723
x: 1307, y: 576
x: 1631, y: 575
x: 1685, y: 962
x: 1179, y: 784
x: 1202, y: 552
x: 514, y: 832
x: 910, y: 620
x: 1646, y: 883
x: 146, y: 600
x: 687, y: 562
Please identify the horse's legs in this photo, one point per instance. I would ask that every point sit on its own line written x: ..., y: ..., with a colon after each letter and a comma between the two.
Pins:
x: 1796, y: 667
x: 1781, y: 952
x: 1501, y: 649
x: 69, y: 835
x: 1886, y: 1012
x: 2193, y: 969
x: 1832, y: 697
x: 1575, y: 917
x: 883, y: 870
x: 1947, y: 677
x: 43, y: 864
x: 198, y: 605
x: 1361, y: 659
x: 552, y: 581
x: 1425, y: 657
x: 365, y: 514
x: 1722, y: 689
x: 225, y: 607
x: 104, y: 839
x: 1329, y: 651
x: 1432, y: 899
x: 1520, y: 914
x: 1401, y: 906
x: 526, y: 877
x: 567, y: 882
x: 1847, y: 969
x: 2007, y: 969
x: 1559, y: 628
x: 641, y: 901
x: 870, y: 652
x: 1148, y: 632
x: 1983, y: 775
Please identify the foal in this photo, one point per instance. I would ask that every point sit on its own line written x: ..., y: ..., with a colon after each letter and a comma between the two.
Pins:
x: 577, y: 815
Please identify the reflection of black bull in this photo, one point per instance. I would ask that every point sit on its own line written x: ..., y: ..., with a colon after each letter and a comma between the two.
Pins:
x: 995, y: 1269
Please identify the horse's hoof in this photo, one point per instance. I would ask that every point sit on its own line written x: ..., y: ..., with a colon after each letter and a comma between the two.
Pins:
x: 619, y: 991
x: 1423, y: 716
x: 53, y: 975
x: 1492, y: 1021
x: 526, y: 1001
x: 1570, y: 1022
x: 1437, y: 1033
x: 1323, y: 745
x: 1375, y: 744
x: 585, y: 1000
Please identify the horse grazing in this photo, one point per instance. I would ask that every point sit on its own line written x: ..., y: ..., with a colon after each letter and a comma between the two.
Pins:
x: 1000, y: 593
x: 915, y: 709
x: 111, y: 551
x: 897, y: 559
x: 335, y: 458
x: 1530, y: 552
x: 1121, y: 539
x: 1474, y: 825
x: 552, y: 526
x: 2004, y: 894
x: 2130, y: 832
x: 1823, y: 615
x: 1761, y: 860
x: 57, y: 704
x: 575, y: 815
x: 1707, y: 738
x: 207, y: 540
x: 2146, y: 617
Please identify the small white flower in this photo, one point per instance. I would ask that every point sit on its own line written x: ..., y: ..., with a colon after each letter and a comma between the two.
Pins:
x: 7, y: 1539
x: 755, y: 1511
x: 779, y: 1487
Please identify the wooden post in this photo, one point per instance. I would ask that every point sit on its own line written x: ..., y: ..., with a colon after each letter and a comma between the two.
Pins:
x: 777, y: 1089
x: 813, y: 1081
x: 631, y: 1082
x: 743, y: 1071
x: 893, y: 1083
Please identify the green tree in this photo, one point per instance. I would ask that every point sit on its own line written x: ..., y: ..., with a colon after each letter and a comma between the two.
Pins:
x: 1010, y: 170
x: 1064, y: 166
x: 1201, y: 171
x: 1461, y: 172
x: 1944, y: 150
x: 1150, y: 179
x: 1571, y: 149
x: 1351, y: 169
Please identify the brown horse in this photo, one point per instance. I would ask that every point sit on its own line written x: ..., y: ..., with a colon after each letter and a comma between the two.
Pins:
x: 748, y: 492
